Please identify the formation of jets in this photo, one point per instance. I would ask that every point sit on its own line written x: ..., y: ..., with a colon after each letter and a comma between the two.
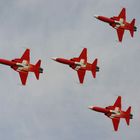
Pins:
x: 120, y: 24
x: 115, y: 113
x: 23, y: 67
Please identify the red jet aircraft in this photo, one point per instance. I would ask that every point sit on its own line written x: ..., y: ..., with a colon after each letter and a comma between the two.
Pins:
x: 80, y: 64
x: 120, y: 24
x: 23, y: 66
x: 115, y: 113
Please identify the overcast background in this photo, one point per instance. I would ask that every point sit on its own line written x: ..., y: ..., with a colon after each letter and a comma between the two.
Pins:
x: 56, y: 106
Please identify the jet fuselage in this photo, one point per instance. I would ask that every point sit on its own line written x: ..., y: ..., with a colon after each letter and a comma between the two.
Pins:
x: 76, y: 63
x: 111, y: 112
x: 116, y: 23
x: 19, y: 65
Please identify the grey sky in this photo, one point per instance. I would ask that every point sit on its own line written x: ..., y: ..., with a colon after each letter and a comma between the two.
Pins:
x: 56, y: 106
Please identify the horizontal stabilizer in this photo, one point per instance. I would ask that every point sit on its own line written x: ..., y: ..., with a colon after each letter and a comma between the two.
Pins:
x: 128, y: 115
x: 37, y: 69
x: 132, y: 25
x: 94, y: 66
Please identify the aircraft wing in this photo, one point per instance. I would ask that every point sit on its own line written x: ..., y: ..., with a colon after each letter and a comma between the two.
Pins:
x: 118, y: 102
x: 122, y: 14
x: 23, y: 77
x: 26, y: 55
x: 83, y: 55
x: 116, y: 123
x: 120, y: 33
x: 81, y: 75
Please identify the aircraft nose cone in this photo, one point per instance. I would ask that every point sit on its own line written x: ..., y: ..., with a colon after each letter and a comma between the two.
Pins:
x: 54, y: 58
x: 90, y: 107
x: 96, y: 16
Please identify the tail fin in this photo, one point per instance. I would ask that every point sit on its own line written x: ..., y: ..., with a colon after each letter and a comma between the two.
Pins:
x: 132, y: 26
x: 94, y: 66
x: 128, y: 113
x: 37, y: 69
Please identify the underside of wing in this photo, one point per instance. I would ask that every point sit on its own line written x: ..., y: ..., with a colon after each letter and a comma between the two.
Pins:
x: 23, y: 77
x: 120, y: 33
x: 115, y: 123
x: 122, y: 14
x: 83, y: 55
x: 118, y: 102
x: 81, y: 75
x: 26, y: 55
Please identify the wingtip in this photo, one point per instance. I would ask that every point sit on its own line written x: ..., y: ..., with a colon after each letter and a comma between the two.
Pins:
x: 119, y: 97
x: 81, y: 82
x: 27, y: 49
x: 84, y: 49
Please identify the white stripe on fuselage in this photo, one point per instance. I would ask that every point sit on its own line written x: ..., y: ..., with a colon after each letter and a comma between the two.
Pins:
x: 115, y: 112
x: 24, y: 66
x: 119, y: 23
x: 80, y: 64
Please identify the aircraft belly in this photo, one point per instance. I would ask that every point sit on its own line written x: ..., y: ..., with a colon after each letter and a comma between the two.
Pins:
x: 24, y: 69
